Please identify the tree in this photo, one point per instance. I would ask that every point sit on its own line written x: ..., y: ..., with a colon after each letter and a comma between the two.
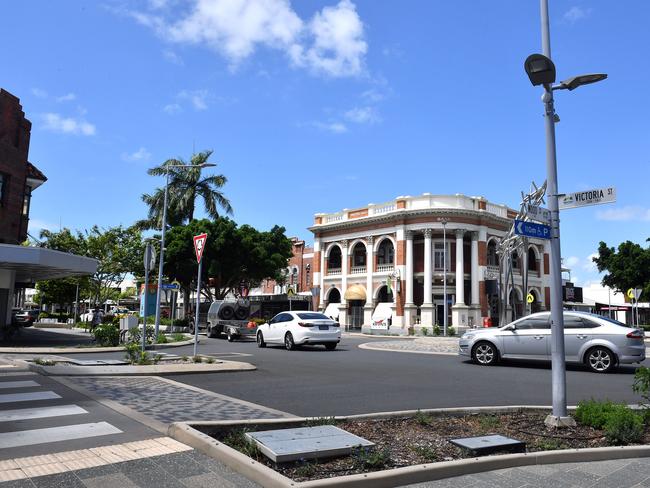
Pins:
x: 232, y: 255
x: 62, y: 291
x: 185, y: 186
x: 628, y: 267
x: 118, y: 250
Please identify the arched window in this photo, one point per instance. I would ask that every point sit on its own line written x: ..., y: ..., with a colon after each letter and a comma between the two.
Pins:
x: 334, y: 258
x: 492, y: 257
x: 532, y: 260
x: 386, y: 252
x: 334, y: 296
x: 359, y: 255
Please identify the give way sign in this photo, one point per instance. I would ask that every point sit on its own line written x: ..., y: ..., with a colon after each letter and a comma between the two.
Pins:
x: 199, y: 245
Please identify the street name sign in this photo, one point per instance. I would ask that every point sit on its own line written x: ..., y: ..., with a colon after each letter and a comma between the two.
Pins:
x: 531, y: 229
x: 540, y: 214
x: 199, y: 245
x: 170, y: 286
x: 590, y: 197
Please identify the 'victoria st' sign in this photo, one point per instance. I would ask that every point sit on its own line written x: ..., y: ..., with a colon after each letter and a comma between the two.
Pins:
x: 588, y: 197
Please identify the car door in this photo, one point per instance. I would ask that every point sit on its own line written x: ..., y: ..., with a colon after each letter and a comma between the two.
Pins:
x: 276, y: 327
x: 530, y: 339
x: 575, y: 335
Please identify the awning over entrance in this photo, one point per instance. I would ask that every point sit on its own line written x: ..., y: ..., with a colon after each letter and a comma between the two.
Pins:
x: 355, y: 292
x: 32, y: 264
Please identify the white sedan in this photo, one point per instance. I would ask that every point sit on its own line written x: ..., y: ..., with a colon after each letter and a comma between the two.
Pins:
x: 299, y: 328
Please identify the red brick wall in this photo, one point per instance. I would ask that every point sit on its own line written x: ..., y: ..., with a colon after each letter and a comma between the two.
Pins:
x: 547, y: 265
x: 400, y: 256
x: 14, y: 147
x: 483, y: 299
x: 547, y: 297
x: 482, y: 253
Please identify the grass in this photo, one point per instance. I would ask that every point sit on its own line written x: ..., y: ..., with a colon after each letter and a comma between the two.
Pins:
x: 44, y: 362
x: 315, y: 422
x: 197, y: 359
x: 423, y: 418
x: 550, y: 444
x: 489, y: 422
x: 426, y: 452
x: 237, y: 440
x: 371, y: 458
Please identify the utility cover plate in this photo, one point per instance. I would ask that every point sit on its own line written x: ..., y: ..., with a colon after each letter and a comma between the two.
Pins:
x: 285, y: 445
x: 487, y: 444
x: 96, y: 362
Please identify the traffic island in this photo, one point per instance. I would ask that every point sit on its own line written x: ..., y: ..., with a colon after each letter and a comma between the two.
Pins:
x: 164, y: 366
x: 409, y: 446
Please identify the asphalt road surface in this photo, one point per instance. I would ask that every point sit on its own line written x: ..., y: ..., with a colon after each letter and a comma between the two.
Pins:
x: 315, y: 382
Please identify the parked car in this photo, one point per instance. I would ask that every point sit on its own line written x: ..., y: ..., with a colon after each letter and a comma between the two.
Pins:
x: 298, y: 328
x: 25, y: 318
x: 599, y: 342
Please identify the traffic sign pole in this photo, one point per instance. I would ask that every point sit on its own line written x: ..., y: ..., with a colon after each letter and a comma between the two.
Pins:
x: 196, y: 313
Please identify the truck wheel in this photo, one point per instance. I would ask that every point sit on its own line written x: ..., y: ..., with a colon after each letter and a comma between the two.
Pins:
x: 226, y: 312
x: 230, y: 336
x: 210, y: 331
x: 241, y: 313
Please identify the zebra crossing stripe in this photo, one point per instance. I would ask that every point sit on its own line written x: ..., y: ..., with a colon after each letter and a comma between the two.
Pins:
x: 40, y: 412
x: 18, y: 384
x: 27, y: 397
x: 56, y: 434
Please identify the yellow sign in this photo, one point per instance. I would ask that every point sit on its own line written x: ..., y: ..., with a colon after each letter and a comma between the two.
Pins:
x: 530, y: 298
x: 630, y: 293
x: 634, y: 293
x: 290, y: 292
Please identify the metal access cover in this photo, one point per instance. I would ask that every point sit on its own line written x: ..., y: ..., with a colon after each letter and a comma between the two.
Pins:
x: 487, y: 444
x: 96, y: 362
x: 306, y: 442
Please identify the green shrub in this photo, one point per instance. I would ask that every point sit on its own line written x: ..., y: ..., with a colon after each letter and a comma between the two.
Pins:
x: 44, y: 362
x: 642, y: 384
x: 135, y: 335
x: 185, y: 359
x: 107, y: 335
x: 371, y: 458
x: 411, y: 331
x: 436, y: 330
x: 257, y: 321
x: 210, y: 360
x: 162, y: 339
x: 178, y: 336
x: 423, y: 418
x: 184, y: 322
x: 489, y: 422
x: 425, y: 331
x: 426, y: 452
x: 197, y: 359
x: 595, y: 413
x: 624, y: 426
x: 550, y: 444
x: 451, y: 331
x: 237, y: 440
x: 132, y: 352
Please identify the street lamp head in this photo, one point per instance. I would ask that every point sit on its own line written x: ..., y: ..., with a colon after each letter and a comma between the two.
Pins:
x: 540, y: 69
x: 576, y: 81
x: 206, y: 165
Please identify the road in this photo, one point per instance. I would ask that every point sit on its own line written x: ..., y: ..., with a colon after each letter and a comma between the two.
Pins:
x: 349, y: 380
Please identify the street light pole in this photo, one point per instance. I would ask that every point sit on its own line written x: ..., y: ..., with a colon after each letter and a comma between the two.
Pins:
x: 162, y: 258
x: 559, y: 415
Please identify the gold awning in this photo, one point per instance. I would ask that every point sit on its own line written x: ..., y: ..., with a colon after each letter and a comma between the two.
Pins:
x: 355, y: 292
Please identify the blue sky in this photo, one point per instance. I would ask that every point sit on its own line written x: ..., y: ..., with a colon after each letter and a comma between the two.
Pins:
x: 322, y: 105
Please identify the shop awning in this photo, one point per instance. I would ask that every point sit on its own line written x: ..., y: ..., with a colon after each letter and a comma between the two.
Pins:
x: 355, y: 292
x: 33, y: 264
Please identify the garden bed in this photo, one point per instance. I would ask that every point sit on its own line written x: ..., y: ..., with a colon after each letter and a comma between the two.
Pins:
x: 420, y: 439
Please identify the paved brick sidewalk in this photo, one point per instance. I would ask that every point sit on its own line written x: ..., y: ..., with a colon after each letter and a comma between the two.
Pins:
x: 620, y: 473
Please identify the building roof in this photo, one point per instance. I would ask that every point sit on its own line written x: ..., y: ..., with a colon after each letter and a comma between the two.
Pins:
x: 34, y: 173
x: 33, y: 264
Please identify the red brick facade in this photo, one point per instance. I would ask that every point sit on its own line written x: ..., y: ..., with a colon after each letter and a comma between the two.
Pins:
x: 301, y: 269
x: 15, y: 170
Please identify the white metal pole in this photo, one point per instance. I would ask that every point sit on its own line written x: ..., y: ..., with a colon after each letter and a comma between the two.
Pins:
x: 162, y: 258
x: 196, y: 312
x: 559, y: 416
x: 147, y: 260
x: 76, y: 305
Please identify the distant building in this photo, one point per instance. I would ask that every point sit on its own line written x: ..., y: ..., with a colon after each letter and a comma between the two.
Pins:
x: 298, y: 274
x: 21, y: 266
x: 395, y: 252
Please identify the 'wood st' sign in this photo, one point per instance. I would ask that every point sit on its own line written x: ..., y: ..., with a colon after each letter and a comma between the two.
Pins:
x: 589, y: 197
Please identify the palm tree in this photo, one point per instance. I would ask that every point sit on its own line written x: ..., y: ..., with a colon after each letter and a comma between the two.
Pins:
x: 185, y: 186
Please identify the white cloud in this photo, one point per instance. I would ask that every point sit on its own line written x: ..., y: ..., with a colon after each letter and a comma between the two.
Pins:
x: 197, y: 98
x: 36, y: 225
x: 140, y: 155
x: 333, y: 127
x: 571, y: 261
x: 332, y: 42
x: 574, y: 14
x: 67, y: 125
x: 67, y: 97
x: 373, y: 95
x: 172, y: 57
x: 630, y: 212
x: 172, y: 108
x: 363, y: 115
x: 338, y: 47
x: 589, y: 264
x: 38, y: 93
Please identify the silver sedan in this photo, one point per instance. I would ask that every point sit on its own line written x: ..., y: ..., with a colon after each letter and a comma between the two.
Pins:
x: 599, y: 342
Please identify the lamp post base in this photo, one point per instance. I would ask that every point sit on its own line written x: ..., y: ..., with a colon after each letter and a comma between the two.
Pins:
x: 553, y: 421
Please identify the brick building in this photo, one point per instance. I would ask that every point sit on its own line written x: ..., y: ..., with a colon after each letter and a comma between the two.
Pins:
x: 18, y: 177
x: 395, y: 253
x: 299, y: 271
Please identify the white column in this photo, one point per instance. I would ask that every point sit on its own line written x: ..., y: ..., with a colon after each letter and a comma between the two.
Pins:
x: 426, y: 311
x: 317, y: 277
x: 427, y: 268
x: 409, y: 268
x: 370, y: 261
x: 475, y: 271
x: 460, y: 268
x: 344, y: 269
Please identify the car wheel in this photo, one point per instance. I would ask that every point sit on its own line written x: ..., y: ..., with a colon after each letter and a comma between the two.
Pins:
x: 191, y: 329
x: 600, y: 360
x: 330, y: 346
x: 230, y: 336
x: 210, y: 331
x: 260, y: 340
x: 289, y: 345
x: 485, y: 354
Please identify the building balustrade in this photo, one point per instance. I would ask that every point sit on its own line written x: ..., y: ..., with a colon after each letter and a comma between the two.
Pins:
x: 385, y: 268
x: 357, y: 270
x: 333, y: 271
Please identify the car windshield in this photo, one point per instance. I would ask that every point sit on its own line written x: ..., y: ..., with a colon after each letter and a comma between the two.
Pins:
x: 313, y: 316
